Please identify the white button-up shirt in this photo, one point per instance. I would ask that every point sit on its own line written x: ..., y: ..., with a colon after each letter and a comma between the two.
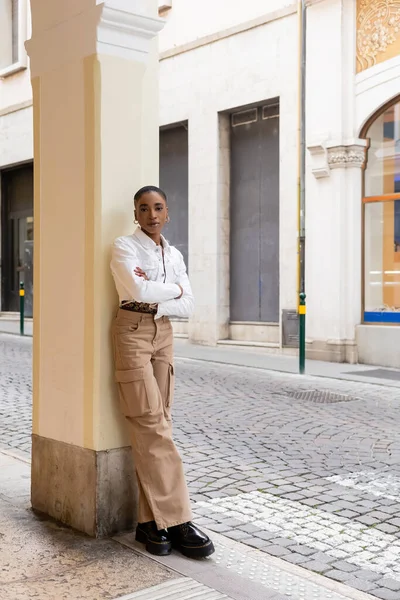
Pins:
x: 138, y: 250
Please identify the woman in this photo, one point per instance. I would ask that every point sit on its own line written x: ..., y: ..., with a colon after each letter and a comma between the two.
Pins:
x: 152, y: 284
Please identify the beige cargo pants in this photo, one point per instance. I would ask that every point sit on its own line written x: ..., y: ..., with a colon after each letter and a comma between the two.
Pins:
x: 143, y: 353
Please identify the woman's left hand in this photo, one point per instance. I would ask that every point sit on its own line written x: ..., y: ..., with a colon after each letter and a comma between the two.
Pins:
x: 140, y: 273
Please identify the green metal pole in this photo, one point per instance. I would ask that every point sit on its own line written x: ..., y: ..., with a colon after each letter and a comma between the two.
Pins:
x: 302, y: 178
x: 21, y: 308
x: 302, y: 333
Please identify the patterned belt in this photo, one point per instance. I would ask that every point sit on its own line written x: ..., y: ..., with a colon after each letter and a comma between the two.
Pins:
x: 141, y: 307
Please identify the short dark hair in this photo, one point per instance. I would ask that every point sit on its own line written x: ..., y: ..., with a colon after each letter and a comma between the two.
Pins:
x: 149, y: 188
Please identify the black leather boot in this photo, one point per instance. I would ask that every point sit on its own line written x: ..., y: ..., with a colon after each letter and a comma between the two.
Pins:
x: 157, y: 542
x: 189, y: 540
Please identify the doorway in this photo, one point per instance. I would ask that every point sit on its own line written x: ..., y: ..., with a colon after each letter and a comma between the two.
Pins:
x: 254, y: 215
x: 17, y: 237
x: 174, y: 175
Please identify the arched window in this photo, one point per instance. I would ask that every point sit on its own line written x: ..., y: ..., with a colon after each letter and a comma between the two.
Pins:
x: 382, y: 218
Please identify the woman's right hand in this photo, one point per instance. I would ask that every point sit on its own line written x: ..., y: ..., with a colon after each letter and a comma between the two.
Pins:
x: 140, y: 273
x: 181, y: 294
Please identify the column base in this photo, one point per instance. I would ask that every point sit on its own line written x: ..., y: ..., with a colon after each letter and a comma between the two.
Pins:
x: 94, y: 492
x: 378, y: 345
x: 340, y: 351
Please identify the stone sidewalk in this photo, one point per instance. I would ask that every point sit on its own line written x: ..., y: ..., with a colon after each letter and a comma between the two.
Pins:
x: 262, y: 358
x: 10, y: 324
x: 43, y: 560
x: 303, y: 468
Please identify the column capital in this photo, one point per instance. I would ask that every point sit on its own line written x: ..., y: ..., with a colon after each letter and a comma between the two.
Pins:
x: 121, y: 28
x: 329, y: 155
x: 347, y: 155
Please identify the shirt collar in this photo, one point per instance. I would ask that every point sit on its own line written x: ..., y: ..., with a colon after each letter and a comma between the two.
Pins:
x: 148, y: 243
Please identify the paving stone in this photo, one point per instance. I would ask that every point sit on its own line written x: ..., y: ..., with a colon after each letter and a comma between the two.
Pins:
x: 287, y: 489
x: 296, y: 559
x: 277, y: 550
x: 342, y: 565
x: 219, y: 527
x: 338, y: 575
x: 317, y: 566
x: 265, y: 535
x: 391, y: 584
x: 368, y: 504
x: 331, y: 508
x: 233, y: 523
x: 249, y: 528
x: 361, y: 584
x: 326, y: 498
x: 204, y: 521
x: 367, y: 575
x: 387, y: 528
x: 378, y: 515
x: 303, y: 550
x: 258, y: 543
x: 294, y: 496
x: 366, y: 520
x: 394, y: 522
x: 285, y: 542
x: 386, y: 594
x: 318, y: 489
x: 323, y: 557
x: 393, y: 509
x: 236, y: 534
x: 349, y: 514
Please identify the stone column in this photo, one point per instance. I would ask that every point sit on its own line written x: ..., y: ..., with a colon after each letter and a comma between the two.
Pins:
x: 335, y: 262
x: 94, y: 79
x: 333, y: 185
x: 209, y: 244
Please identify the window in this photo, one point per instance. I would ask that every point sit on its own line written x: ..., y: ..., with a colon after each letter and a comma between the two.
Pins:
x: 382, y: 219
x: 13, y: 33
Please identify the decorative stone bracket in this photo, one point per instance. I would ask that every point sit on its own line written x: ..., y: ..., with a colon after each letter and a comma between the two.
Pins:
x: 320, y: 166
x: 339, y: 156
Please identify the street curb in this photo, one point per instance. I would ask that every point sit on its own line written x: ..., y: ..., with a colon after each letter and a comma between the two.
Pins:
x: 214, y: 362
x: 18, y: 335
x: 16, y: 454
x: 177, y: 589
x: 181, y: 566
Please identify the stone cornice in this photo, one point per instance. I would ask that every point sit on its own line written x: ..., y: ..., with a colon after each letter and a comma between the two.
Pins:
x: 124, y: 33
x: 113, y: 27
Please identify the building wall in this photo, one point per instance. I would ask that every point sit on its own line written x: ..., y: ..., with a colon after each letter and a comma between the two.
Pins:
x: 187, y: 22
x: 198, y: 86
x: 16, y: 128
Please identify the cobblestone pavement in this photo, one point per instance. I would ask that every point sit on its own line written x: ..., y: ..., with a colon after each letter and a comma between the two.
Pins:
x: 302, y: 468
x: 15, y: 392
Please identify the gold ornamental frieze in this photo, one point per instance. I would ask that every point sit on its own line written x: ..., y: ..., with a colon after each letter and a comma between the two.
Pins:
x: 378, y: 32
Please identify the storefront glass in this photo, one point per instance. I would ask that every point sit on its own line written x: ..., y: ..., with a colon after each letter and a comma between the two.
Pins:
x: 382, y: 220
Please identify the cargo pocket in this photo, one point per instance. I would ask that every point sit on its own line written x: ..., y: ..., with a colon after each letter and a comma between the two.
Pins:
x: 135, y: 391
x: 171, y: 386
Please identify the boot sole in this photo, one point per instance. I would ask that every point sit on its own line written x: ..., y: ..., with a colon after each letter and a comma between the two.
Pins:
x: 196, y: 551
x: 156, y: 548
